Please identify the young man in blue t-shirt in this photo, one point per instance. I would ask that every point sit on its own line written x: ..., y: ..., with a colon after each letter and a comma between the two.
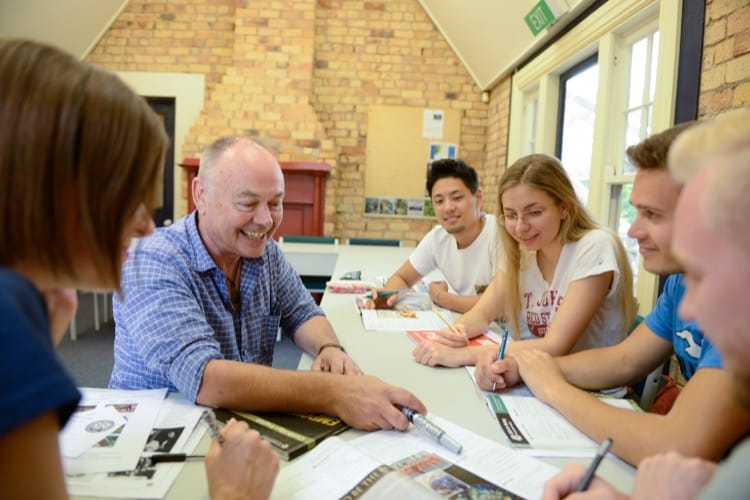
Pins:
x: 705, y: 403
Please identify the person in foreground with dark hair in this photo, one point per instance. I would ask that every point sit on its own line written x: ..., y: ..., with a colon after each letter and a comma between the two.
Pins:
x: 81, y: 157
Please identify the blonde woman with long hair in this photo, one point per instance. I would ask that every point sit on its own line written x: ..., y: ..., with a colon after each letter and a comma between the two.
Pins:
x: 566, y: 285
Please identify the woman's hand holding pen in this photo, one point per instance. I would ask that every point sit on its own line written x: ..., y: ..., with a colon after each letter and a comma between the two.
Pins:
x: 493, y: 374
x: 453, y: 336
x: 245, y: 466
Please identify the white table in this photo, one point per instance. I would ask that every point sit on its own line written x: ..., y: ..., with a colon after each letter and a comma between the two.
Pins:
x: 448, y: 392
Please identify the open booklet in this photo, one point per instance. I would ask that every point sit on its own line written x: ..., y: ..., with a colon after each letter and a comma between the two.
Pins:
x: 489, y: 338
x: 392, y: 464
x: 537, y: 429
x: 412, y: 312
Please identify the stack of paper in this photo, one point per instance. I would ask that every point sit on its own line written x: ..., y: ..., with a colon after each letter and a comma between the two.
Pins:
x: 107, y: 442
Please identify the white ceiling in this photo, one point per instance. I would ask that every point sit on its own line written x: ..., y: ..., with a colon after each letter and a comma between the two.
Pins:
x: 74, y: 25
x: 490, y: 36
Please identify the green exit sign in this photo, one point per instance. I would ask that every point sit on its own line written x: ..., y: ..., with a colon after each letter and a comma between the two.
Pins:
x: 539, y: 17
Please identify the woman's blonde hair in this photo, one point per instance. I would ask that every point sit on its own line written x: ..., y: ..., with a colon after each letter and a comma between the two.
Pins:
x: 547, y: 174
x: 78, y: 149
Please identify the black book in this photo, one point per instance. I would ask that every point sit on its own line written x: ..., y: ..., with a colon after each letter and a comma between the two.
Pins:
x: 290, y: 434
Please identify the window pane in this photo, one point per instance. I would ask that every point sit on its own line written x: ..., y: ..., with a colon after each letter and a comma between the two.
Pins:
x: 624, y: 213
x: 632, y: 135
x: 531, y: 105
x: 654, y: 60
x: 577, y: 133
x: 638, y: 66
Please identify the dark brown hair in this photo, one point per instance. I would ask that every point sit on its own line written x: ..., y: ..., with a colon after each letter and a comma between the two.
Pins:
x: 79, y: 151
x: 652, y: 151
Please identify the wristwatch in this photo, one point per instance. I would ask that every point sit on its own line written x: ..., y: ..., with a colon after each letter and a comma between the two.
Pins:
x: 331, y: 344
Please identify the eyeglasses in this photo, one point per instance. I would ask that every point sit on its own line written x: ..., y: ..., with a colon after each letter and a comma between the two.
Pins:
x: 527, y: 216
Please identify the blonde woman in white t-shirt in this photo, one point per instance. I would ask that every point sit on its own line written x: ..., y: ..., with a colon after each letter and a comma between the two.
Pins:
x: 566, y: 284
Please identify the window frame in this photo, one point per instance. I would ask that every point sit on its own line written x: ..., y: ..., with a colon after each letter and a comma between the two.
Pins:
x: 602, y: 33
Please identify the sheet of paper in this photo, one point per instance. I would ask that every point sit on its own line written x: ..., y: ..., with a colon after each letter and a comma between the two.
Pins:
x: 539, y: 430
x: 88, y: 426
x: 121, y: 448
x: 176, y: 430
x: 334, y: 467
x: 432, y: 123
x: 392, y: 320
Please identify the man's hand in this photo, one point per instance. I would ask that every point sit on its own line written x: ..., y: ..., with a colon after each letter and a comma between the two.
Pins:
x: 381, y: 299
x: 493, y: 374
x: 671, y: 476
x: 541, y: 373
x: 334, y: 360
x: 564, y: 485
x: 367, y: 403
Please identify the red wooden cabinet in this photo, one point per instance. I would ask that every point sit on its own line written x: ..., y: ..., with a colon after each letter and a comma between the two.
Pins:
x: 304, y: 199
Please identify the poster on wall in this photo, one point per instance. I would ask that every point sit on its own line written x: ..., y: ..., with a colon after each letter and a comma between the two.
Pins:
x: 432, y: 124
x: 443, y: 150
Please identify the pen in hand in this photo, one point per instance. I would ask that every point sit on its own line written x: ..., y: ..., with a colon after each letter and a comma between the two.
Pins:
x: 501, y: 352
x: 600, y: 453
x: 382, y: 293
x: 424, y: 424
x: 160, y: 458
x: 213, y: 426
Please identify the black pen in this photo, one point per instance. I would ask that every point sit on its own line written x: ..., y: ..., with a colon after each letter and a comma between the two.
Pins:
x: 600, y: 453
x: 172, y: 457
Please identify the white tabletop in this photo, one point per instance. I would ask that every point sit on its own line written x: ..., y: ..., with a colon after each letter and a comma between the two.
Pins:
x: 447, y: 392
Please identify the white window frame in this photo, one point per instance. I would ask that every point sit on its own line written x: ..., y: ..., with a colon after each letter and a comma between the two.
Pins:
x: 606, y: 31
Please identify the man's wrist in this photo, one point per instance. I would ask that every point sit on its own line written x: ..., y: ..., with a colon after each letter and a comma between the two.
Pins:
x: 331, y: 344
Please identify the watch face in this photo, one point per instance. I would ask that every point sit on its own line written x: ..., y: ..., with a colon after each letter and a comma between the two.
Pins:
x: 100, y: 426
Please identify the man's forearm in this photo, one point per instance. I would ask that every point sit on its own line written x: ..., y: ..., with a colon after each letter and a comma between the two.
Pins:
x: 246, y: 386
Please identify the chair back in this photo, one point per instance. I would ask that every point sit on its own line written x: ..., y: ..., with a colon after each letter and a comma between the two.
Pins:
x: 374, y: 241
x: 323, y: 240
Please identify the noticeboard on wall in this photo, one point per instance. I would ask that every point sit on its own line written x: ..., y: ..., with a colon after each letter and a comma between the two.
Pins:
x: 401, y: 143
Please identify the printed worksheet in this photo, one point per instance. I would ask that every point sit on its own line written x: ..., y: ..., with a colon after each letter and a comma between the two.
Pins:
x: 337, y: 467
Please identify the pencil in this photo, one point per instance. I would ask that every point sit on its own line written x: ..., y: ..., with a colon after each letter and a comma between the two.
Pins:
x: 445, y: 320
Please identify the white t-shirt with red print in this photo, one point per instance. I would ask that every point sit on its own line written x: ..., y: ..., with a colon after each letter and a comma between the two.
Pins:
x: 594, y: 254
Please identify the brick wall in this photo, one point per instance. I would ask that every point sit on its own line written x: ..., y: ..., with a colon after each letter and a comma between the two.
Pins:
x: 725, y: 74
x: 302, y: 75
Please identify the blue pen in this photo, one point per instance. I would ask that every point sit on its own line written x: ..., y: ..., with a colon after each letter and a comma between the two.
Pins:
x: 501, y: 352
